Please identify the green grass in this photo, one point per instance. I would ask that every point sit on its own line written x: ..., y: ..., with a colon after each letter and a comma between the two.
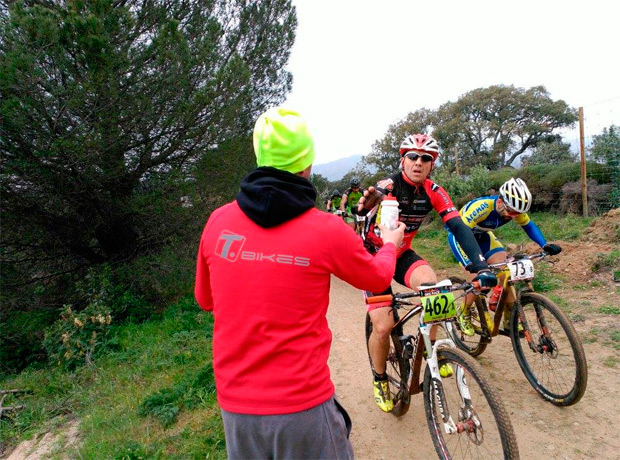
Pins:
x: 591, y: 336
x: 555, y: 227
x: 607, y: 261
x: 122, y: 402
x: 431, y: 242
x: 609, y: 310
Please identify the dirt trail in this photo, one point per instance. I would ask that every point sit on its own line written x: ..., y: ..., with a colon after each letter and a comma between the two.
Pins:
x: 584, y: 431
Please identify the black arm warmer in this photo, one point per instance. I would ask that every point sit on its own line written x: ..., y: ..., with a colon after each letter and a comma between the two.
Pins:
x: 465, y: 238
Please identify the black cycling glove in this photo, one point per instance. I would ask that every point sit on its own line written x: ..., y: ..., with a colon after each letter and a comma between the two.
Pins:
x: 552, y: 249
x: 486, y: 279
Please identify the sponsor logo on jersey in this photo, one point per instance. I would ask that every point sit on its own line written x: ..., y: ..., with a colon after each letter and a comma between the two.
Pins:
x: 474, y: 213
x: 230, y: 247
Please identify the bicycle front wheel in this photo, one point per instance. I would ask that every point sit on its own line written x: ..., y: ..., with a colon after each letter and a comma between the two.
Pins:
x: 551, y: 356
x: 398, y: 370
x: 483, y: 426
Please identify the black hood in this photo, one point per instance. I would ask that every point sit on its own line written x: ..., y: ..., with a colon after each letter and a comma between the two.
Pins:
x: 270, y: 196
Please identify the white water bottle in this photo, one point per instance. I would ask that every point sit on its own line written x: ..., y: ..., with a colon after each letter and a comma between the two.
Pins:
x: 389, y: 212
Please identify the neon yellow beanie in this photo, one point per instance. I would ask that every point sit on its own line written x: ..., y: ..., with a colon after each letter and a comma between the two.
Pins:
x: 282, y: 140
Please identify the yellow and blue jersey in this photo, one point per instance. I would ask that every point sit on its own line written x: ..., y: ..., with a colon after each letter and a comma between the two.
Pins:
x: 481, y: 215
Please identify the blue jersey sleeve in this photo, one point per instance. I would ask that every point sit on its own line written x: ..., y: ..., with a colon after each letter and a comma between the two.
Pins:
x: 534, y: 233
x: 531, y: 229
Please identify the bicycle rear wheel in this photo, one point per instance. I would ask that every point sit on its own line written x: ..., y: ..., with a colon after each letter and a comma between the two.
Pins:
x: 476, y: 344
x: 484, y: 427
x: 556, y: 367
x: 397, y: 368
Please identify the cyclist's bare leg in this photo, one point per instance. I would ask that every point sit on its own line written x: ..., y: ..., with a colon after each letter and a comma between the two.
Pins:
x: 420, y: 275
x: 379, y: 340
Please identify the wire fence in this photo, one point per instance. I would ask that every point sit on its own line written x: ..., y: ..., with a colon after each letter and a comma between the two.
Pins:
x: 598, y: 116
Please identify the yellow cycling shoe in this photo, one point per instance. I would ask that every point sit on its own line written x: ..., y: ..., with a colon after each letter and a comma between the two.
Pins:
x: 506, y: 325
x: 506, y: 320
x: 464, y: 319
x: 446, y: 370
x: 383, y: 396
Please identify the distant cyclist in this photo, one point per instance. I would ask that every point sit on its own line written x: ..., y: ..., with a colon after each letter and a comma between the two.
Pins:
x: 488, y: 213
x: 417, y: 196
x: 350, y: 200
x: 333, y: 202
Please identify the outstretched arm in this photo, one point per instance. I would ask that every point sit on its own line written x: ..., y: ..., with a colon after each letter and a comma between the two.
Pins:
x: 531, y: 229
x: 465, y: 237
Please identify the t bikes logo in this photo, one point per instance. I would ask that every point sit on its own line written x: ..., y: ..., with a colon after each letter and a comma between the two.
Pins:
x: 230, y: 247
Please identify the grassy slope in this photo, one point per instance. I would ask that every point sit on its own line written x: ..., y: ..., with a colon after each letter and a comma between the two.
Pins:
x: 163, y: 362
x: 153, y: 396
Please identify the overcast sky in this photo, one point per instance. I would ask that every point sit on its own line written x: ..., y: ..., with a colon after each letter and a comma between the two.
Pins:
x: 360, y: 66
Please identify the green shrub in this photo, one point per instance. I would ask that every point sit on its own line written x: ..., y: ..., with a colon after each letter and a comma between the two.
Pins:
x: 74, y: 338
x: 160, y: 277
x: 77, y: 335
x: 464, y: 188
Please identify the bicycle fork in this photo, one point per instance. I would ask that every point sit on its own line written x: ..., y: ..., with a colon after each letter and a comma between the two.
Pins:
x: 468, y: 420
x: 546, y: 343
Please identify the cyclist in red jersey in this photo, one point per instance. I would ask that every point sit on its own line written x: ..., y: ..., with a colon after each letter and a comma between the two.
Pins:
x: 264, y: 268
x: 417, y: 196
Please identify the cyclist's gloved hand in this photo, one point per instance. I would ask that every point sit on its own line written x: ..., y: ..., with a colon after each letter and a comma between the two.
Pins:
x: 369, y: 200
x: 552, y: 249
x: 486, y: 279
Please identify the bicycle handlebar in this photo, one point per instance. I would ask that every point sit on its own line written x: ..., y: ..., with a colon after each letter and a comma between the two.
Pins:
x: 518, y: 256
x: 467, y: 287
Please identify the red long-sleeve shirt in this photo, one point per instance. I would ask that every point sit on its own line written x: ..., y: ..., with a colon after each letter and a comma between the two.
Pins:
x: 268, y: 289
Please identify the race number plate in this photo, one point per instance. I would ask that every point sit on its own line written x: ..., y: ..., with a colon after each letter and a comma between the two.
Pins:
x: 521, y: 270
x: 438, y: 307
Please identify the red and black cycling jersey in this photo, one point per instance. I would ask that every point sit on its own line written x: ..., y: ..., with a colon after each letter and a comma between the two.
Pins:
x: 415, y: 202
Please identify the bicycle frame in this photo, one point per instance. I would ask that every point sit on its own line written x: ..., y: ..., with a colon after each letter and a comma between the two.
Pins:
x: 510, y: 286
x: 508, y: 283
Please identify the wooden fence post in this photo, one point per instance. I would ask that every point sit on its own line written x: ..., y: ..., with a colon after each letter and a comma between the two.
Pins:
x: 582, y: 151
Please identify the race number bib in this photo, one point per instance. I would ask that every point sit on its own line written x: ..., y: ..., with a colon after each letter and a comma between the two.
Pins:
x: 438, y: 307
x: 521, y: 270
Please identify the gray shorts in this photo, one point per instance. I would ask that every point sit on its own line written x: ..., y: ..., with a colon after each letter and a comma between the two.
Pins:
x: 319, y: 432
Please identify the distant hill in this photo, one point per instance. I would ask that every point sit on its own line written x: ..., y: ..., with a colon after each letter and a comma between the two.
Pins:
x: 335, y: 170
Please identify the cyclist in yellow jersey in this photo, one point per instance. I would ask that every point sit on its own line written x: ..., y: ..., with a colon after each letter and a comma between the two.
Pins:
x: 488, y: 213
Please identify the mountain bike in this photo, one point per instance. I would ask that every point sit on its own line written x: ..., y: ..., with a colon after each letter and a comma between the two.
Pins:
x: 464, y: 413
x: 545, y: 343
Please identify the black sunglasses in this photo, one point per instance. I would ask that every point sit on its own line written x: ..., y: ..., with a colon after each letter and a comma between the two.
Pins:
x: 425, y: 157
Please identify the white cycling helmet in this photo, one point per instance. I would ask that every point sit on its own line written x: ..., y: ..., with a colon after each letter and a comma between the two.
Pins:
x: 420, y: 143
x: 516, y: 195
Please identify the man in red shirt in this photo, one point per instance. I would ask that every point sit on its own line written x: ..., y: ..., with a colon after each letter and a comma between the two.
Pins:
x: 263, y: 269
